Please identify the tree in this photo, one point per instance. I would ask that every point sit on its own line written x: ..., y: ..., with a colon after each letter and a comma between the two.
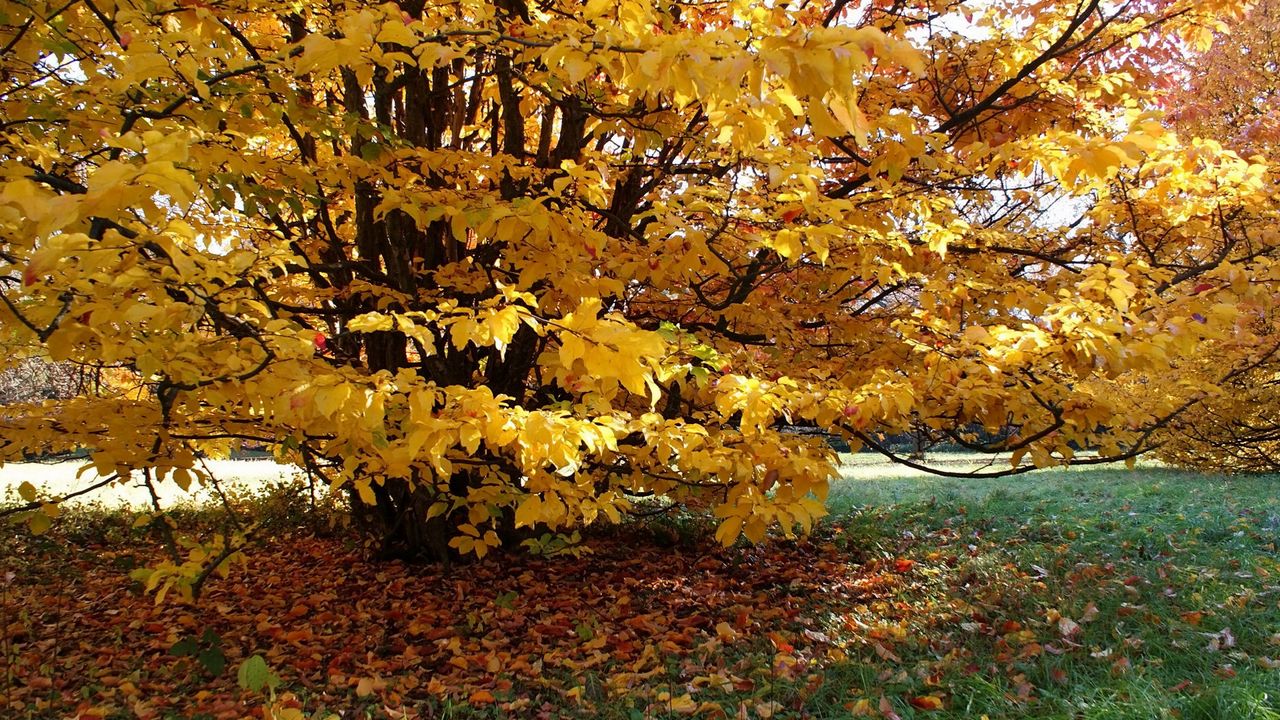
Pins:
x: 493, y: 266
x: 1230, y: 99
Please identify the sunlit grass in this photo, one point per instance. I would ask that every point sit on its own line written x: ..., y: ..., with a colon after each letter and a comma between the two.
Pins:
x: 1168, y: 581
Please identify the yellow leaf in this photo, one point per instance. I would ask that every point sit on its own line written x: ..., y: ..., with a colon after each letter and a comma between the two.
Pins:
x: 755, y: 529
x: 846, y: 112
x: 27, y: 491
x: 729, y: 530
x: 529, y: 511
x: 329, y: 399
x: 61, y: 344
x: 684, y: 704
x: 39, y: 523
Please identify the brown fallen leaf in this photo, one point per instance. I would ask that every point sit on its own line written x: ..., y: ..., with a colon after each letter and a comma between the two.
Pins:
x: 886, y: 709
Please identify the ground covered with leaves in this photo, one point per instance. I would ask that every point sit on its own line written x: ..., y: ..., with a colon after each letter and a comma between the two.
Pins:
x: 1082, y: 594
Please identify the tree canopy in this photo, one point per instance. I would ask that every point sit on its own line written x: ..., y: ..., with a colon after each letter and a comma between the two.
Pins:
x: 490, y: 266
x: 1233, y: 99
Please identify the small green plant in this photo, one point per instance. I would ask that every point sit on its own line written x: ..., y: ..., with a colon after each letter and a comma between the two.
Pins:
x: 206, y: 649
x: 255, y: 676
x: 552, y: 544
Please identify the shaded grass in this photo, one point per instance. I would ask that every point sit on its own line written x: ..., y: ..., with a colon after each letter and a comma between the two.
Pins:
x: 1089, y: 593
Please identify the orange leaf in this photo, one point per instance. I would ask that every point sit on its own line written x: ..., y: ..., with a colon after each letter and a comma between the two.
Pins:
x: 781, y: 643
x: 364, y: 688
x: 860, y: 708
x: 481, y: 697
x: 926, y: 702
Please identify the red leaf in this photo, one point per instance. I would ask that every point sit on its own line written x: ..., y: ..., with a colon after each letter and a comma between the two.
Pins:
x: 781, y: 643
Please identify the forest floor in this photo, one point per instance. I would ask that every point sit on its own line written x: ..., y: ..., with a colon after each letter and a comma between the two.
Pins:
x: 1091, y: 593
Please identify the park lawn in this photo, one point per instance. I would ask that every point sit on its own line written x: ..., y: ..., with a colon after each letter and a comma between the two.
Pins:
x: 1091, y: 593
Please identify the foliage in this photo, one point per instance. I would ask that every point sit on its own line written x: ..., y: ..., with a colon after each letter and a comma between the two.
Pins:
x: 498, y: 268
x: 1139, y: 595
x: 1236, y: 426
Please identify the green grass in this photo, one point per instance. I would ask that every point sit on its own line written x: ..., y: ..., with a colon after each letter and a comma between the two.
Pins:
x: 1148, y: 563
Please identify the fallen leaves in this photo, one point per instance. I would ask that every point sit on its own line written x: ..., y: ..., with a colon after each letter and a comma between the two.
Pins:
x: 499, y: 634
x: 1221, y: 640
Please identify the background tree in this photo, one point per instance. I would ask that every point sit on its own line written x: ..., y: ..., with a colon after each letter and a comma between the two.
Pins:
x: 1229, y: 97
x: 496, y: 265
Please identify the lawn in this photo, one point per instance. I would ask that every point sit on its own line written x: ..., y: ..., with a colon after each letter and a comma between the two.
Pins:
x: 1061, y: 594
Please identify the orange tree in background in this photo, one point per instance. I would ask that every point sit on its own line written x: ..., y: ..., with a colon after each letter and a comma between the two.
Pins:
x: 1232, y: 96
x: 493, y: 266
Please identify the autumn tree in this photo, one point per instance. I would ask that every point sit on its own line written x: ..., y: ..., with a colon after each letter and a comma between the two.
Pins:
x: 1230, y: 96
x: 493, y: 266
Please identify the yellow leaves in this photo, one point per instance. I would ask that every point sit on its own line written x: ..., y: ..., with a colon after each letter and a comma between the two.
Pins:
x: 492, y: 326
x: 62, y: 342
x: 927, y: 702
x: 322, y: 54
x: 788, y: 243
x: 330, y: 399
x: 27, y: 491
x: 39, y: 523
x: 937, y: 236
x: 757, y: 400
x: 182, y: 478
x: 366, y: 493
x: 787, y: 497
x: 607, y: 347
x: 845, y: 110
x: 502, y: 325
x: 754, y: 529
x: 576, y: 65
x: 30, y: 198
x: 143, y: 66
x: 729, y: 529
x: 471, y: 541
x: 171, y: 147
x: 529, y: 511
x: 355, y: 298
